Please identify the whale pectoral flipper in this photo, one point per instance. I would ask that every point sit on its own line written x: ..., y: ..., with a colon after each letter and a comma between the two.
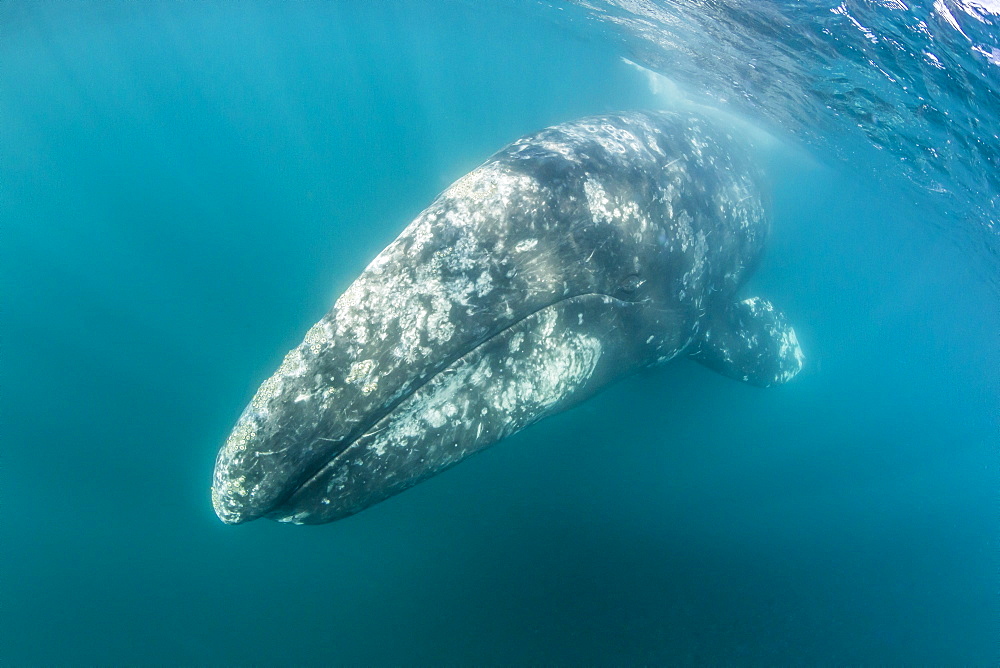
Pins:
x: 749, y: 341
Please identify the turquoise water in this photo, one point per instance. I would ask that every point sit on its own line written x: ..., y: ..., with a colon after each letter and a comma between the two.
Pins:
x: 184, y: 190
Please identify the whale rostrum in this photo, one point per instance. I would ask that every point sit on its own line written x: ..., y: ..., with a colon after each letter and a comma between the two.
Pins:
x: 570, y: 259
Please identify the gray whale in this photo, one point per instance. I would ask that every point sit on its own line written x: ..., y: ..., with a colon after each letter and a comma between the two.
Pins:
x: 570, y: 259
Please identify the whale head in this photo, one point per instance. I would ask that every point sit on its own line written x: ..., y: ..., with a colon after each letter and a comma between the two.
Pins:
x: 570, y: 259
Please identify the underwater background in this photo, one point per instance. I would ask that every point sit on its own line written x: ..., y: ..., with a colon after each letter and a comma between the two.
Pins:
x: 186, y: 187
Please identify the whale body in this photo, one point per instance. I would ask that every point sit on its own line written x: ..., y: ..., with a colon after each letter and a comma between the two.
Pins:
x: 570, y: 259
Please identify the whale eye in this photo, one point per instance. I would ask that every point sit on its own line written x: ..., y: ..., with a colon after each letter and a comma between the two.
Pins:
x: 631, y: 283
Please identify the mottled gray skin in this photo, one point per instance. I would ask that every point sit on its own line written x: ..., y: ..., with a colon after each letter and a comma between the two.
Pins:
x: 570, y: 259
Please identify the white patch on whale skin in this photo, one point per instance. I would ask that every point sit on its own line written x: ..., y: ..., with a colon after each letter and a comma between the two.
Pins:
x: 566, y: 150
x: 615, y: 210
x: 525, y: 245
x: 422, y: 233
x: 537, y: 384
x: 790, y: 350
x: 361, y: 374
x: 597, y: 199
x: 790, y: 347
x: 484, y: 284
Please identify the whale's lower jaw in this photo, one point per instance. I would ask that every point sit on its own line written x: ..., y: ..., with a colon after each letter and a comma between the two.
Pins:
x: 543, y: 364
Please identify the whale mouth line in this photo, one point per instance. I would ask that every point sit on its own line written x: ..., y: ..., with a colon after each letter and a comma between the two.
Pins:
x: 280, y: 508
